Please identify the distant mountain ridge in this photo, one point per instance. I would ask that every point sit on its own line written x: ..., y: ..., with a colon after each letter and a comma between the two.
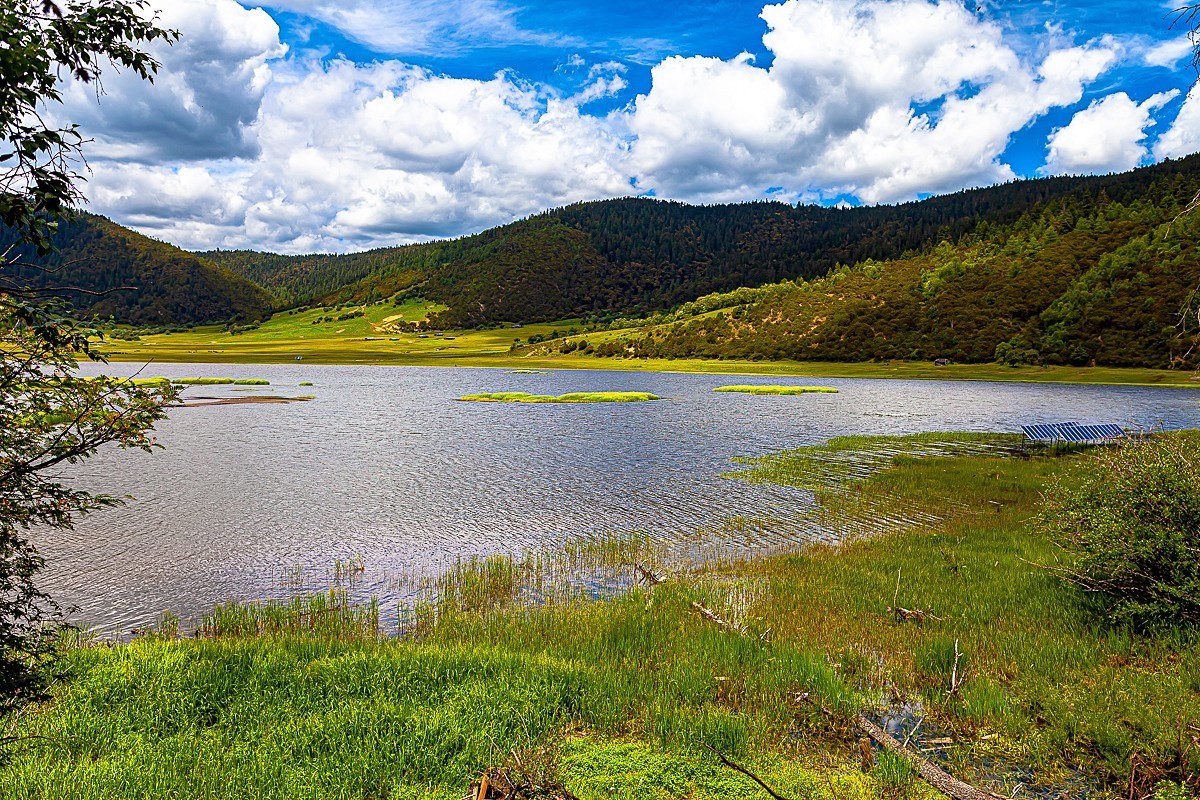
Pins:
x: 638, y: 256
x: 1085, y: 278
x: 167, y: 285
x: 1030, y: 267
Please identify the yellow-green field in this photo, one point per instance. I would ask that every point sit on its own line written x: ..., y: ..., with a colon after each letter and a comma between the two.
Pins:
x: 367, y: 339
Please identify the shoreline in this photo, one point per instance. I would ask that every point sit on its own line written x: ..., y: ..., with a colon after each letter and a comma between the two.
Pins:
x: 768, y: 661
x: 898, y: 370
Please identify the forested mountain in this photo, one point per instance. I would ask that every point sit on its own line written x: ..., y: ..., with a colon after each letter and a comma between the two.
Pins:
x: 638, y: 255
x: 166, y: 285
x: 1034, y: 265
x: 1096, y: 277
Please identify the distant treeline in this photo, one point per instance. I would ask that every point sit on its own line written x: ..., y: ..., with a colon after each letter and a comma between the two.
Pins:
x: 1073, y: 270
x: 1105, y: 276
x: 637, y: 256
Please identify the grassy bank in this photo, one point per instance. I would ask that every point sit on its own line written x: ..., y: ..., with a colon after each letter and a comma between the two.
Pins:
x: 320, y: 336
x: 1014, y: 673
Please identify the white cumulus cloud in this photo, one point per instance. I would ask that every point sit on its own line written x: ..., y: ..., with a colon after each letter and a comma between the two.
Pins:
x: 1168, y: 53
x: 880, y: 100
x: 355, y: 156
x: 243, y: 144
x: 205, y: 98
x: 1107, y: 136
x: 1183, y: 137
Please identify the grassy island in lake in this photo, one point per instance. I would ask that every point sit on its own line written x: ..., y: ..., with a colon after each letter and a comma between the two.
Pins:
x: 570, y: 397
x: 219, y: 381
x: 781, y: 390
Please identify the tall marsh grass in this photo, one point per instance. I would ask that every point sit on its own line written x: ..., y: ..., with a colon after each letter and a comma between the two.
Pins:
x: 325, y: 616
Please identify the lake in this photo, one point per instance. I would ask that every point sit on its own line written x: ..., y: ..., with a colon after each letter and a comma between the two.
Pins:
x: 253, y: 501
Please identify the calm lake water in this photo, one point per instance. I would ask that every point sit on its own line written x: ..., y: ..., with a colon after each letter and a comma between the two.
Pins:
x: 253, y: 501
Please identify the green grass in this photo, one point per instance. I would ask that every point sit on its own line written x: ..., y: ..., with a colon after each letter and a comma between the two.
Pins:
x: 615, y: 696
x: 779, y: 390
x: 207, y: 381
x: 570, y: 397
x: 219, y: 381
x: 289, y: 336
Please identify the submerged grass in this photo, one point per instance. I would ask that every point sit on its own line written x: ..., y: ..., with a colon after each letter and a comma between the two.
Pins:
x: 570, y: 397
x: 282, y: 701
x: 776, y: 390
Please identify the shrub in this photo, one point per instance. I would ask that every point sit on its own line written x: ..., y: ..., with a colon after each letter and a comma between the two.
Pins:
x: 1130, y: 519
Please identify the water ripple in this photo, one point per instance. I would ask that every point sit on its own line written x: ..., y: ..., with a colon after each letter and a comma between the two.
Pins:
x: 253, y: 501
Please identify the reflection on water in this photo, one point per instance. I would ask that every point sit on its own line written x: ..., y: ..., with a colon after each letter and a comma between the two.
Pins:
x: 250, y: 501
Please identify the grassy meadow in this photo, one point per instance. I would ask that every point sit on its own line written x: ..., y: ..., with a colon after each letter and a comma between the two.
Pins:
x: 318, y: 336
x: 1019, y: 680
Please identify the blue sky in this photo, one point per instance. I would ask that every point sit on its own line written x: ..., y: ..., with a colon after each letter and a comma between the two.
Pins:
x: 307, y: 125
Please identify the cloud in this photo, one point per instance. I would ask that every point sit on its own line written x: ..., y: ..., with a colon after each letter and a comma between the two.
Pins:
x: 880, y: 100
x: 363, y: 155
x: 1107, y: 136
x: 205, y: 98
x: 1183, y: 137
x: 409, y: 27
x: 1168, y: 53
x: 240, y: 144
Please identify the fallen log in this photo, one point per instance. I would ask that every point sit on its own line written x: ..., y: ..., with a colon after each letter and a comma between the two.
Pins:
x: 931, y: 773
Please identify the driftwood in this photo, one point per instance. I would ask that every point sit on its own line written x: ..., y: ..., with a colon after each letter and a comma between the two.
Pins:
x: 934, y: 775
x: 744, y: 771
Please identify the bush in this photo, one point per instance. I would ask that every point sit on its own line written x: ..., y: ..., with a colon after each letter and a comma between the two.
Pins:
x: 1130, y: 519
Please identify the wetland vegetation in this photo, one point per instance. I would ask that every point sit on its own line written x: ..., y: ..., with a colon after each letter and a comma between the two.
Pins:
x: 1020, y: 677
x: 776, y: 390
x: 569, y: 397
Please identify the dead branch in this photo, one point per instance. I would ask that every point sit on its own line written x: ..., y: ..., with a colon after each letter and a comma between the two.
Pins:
x: 499, y: 784
x: 931, y: 773
x: 743, y: 770
x: 1192, y: 206
x: 651, y: 577
x: 956, y: 680
x: 911, y: 614
x: 712, y: 617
